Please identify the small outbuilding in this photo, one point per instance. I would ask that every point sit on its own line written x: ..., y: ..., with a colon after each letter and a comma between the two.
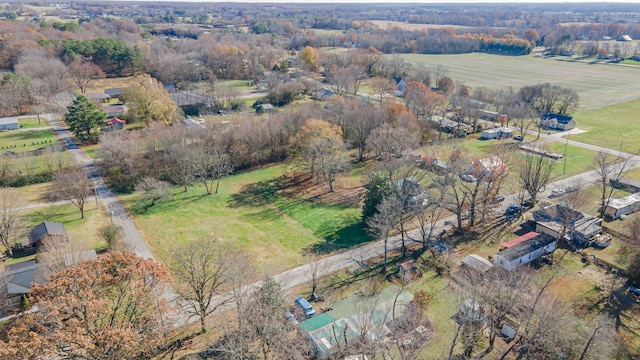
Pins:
x: 477, y: 263
x: 115, y: 124
x: 114, y: 93
x: 623, y: 206
x: 525, y: 252
x: 9, y: 123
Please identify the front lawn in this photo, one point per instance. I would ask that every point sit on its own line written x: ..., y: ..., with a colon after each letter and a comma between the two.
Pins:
x: 19, y: 141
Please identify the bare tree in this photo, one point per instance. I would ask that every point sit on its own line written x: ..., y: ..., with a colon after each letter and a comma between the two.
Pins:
x: 609, y: 167
x: 73, y: 185
x: 11, y: 221
x: 381, y: 223
x: 392, y: 142
x: 360, y: 122
x: 83, y: 72
x: 535, y: 174
x: 153, y: 189
x: 201, y: 270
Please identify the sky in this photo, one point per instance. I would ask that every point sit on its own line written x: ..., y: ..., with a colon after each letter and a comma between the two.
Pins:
x: 399, y: 1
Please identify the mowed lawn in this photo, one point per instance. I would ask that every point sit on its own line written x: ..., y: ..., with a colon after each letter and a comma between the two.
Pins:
x: 18, y: 141
x: 598, y: 85
x: 250, y: 212
x: 611, y: 126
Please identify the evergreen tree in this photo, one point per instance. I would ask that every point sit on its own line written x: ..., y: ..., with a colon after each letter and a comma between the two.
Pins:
x: 85, y: 119
x: 379, y: 188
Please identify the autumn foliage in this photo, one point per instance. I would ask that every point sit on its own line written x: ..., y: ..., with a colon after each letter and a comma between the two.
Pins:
x: 108, y: 308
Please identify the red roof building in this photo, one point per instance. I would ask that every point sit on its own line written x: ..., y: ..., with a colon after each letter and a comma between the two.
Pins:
x: 519, y: 240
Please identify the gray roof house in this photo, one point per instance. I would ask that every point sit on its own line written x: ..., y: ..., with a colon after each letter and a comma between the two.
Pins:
x: 40, y: 233
x: 578, y: 227
x: 9, y: 123
x: 20, y: 277
x: 114, y: 93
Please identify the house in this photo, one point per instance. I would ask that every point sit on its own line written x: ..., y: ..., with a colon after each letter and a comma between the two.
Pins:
x: 323, y: 95
x: 623, y: 206
x: 477, y: 263
x: 114, y: 110
x: 626, y: 184
x: 525, y: 252
x: 433, y: 164
x: 488, y: 114
x: 487, y: 167
x: 115, y: 124
x: 577, y: 226
x: 97, y: 98
x: 407, y: 270
x: 114, y: 93
x: 9, y: 123
x: 497, y: 133
x: 47, y: 235
x: 450, y: 126
x: 352, y: 319
x: 192, y: 102
x: 557, y: 121
x: 401, y: 87
x: 19, y: 278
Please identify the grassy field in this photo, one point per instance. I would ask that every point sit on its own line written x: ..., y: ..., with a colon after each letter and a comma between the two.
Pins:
x: 255, y: 212
x: 30, y: 123
x: 91, y: 151
x: 597, y: 85
x: 611, y: 126
x: 19, y: 141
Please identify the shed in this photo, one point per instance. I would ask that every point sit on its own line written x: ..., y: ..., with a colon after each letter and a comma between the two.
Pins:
x: 9, y: 123
x: 477, y: 263
x: 407, y: 270
x: 525, y: 252
x: 623, y: 206
x: 115, y: 124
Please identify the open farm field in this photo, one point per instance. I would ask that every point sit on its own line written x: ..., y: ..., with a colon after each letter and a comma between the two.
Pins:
x: 598, y: 85
x: 255, y: 211
x: 384, y: 24
x: 611, y: 126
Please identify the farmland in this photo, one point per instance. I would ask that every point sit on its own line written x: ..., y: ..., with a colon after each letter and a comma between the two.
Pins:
x: 598, y: 85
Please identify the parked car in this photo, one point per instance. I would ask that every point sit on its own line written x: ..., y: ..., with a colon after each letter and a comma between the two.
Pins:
x: 557, y: 192
x: 291, y: 319
x: 468, y: 178
x: 518, y: 137
x: 306, y: 307
x: 634, y: 290
x: 527, y: 204
x: 570, y: 189
x: 512, y: 211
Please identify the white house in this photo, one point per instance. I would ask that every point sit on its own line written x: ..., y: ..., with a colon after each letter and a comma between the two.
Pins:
x: 557, y: 121
x: 486, y: 167
x: 9, y: 123
x: 623, y: 206
x: 497, y: 133
x: 525, y: 252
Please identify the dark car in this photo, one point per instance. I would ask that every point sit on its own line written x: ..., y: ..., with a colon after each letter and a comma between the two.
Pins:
x: 512, y: 211
x: 518, y: 137
x: 527, y: 204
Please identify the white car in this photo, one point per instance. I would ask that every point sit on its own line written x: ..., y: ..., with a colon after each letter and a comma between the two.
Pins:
x: 557, y: 192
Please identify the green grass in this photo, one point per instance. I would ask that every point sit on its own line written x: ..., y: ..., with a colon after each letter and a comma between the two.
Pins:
x: 91, y: 151
x: 576, y: 160
x: 30, y: 123
x: 240, y: 85
x: 251, y: 212
x: 630, y: 62
x: 83, y: 232
x: 598, y: 85
x: 611, y: 126
x: 19, y: 141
